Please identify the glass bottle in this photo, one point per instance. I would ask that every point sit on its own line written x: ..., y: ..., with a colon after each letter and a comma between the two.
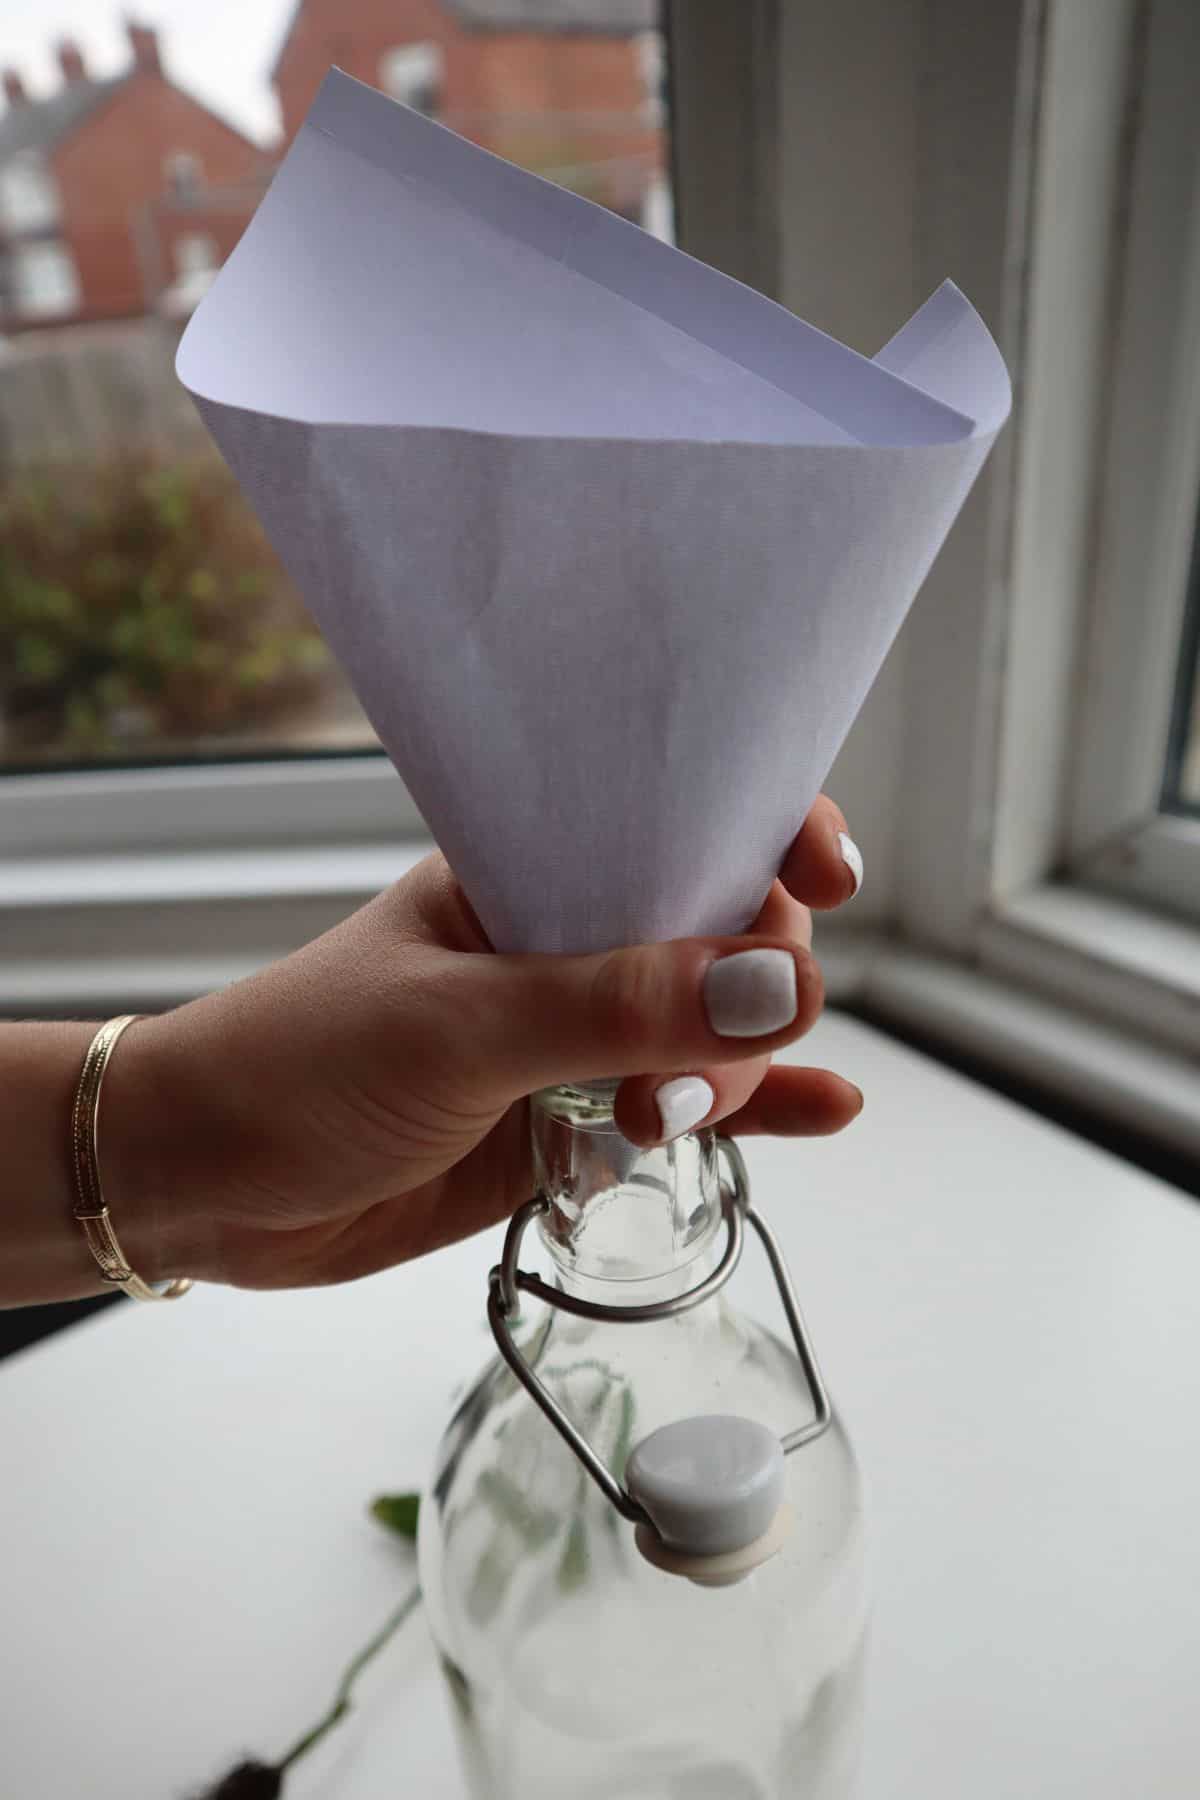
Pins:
x: 576, y: 1667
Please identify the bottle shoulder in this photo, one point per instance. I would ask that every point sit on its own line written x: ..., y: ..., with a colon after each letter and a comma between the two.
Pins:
x: 500, y: 1457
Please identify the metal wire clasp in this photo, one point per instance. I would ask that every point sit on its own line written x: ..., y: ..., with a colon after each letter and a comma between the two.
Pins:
x: 508, y: 1281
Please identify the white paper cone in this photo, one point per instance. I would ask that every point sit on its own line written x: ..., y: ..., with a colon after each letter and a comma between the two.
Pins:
x: 610, y: 546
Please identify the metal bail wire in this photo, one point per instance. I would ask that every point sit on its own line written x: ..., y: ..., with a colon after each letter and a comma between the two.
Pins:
x: 508, y: 1281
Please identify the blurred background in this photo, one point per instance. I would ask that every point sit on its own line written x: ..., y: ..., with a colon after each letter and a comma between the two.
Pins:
x: 142, y: 614
x: 187, y: 787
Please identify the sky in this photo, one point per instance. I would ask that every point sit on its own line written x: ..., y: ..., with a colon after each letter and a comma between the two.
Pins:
x: 219, y: 49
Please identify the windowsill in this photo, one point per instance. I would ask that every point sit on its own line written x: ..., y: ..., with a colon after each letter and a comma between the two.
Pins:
x: 1157, y: 863
x: 88, y: 933
x: 1087, y: 998
x: 1063, y: 972
x: 1103, y: 1070
x: 145, y: 878
x: 1106, y: 957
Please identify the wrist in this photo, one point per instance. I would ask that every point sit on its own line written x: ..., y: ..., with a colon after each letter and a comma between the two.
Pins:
x: 49, y: 1258
x: 148, y: 1133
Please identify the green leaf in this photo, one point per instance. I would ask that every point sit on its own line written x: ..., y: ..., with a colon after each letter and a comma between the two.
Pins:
x: 624, y: 1438
x: 510, y: 1505
x: 460, y: 1687
x: 573, y: 1567
x: 399, y: 1512
x: 489, y: 1584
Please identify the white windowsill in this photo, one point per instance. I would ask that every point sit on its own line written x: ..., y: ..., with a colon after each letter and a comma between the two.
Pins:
x: 1103, y: 956
x: 1063, y: 970
x: 150, y: 930
x: 1103, y: 1068
x: 145, y: 878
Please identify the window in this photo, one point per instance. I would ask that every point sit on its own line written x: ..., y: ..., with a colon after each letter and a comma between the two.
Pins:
x: 160, y: 680
x: 45, y: 283
x: 28, y: 197
x: 196, y: 260
x: 195, y: 254
x: 1134, y: 797
x: 413, y: 73
x: 651, y: 52
x: 1019, y: 778
x: 184, y: 174
x: 657, y: 214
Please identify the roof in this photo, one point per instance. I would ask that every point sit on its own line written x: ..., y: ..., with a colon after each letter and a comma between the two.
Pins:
x: 40, y: 124
x: 608, y: 18
x: 613, y: 18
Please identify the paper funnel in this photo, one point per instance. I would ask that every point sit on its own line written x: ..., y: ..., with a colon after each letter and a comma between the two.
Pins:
x: 610, y: 546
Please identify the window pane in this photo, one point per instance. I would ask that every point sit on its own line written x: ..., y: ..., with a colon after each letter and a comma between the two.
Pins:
x: 28, y: 200
x: 143, y: 616
x: 1181, y: 789
x: 414, y: 74
x: 45, y: 281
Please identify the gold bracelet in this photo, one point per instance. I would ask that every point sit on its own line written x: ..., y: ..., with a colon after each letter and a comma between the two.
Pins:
x: 90, y: 1209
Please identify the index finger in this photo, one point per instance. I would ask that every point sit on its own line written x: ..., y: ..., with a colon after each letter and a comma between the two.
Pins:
x: 824, y: 866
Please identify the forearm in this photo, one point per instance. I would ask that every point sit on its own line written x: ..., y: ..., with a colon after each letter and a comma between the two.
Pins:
x: 43, y: 1253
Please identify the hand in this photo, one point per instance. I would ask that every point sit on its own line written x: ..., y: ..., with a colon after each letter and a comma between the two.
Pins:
x: 363, y: 1101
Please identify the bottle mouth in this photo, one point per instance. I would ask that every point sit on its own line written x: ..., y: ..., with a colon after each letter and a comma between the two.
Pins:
x: 584, y: 1103
x: 618, y: 1212
x: 604, y: 1088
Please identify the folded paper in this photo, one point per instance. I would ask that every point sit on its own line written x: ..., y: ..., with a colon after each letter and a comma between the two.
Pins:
x: 610, y: 546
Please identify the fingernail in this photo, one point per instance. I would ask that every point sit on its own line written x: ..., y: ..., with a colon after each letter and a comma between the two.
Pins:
x: 682, y: 1103
x: 751, y: 993
x: 852, y: 857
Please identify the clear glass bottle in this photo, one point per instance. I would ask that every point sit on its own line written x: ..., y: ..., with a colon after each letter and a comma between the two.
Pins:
x: 575, y: 1667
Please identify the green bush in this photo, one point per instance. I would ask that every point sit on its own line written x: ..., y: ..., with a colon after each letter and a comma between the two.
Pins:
x: 141, y: 599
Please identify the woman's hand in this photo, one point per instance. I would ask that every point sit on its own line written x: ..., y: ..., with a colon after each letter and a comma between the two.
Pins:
x: 362, y: 1101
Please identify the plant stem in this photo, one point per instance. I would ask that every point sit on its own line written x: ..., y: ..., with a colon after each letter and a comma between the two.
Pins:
x: 341, y: 1700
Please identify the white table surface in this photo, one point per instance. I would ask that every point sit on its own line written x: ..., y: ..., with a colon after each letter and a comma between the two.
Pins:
x: 1009, y: 1318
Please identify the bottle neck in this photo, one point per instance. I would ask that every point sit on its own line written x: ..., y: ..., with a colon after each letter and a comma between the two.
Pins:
x: 625, y: 1225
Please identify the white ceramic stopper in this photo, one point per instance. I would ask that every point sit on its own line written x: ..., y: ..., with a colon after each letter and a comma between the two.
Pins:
x: 710, y: 1485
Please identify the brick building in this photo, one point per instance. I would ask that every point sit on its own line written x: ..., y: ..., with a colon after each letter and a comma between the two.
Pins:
x: 569, y: 88
x: 115, y: 192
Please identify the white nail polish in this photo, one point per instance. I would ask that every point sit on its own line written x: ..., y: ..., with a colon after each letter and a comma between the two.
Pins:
x: 682, y: 1103
x: 852, y: 857
x: 751, y: 993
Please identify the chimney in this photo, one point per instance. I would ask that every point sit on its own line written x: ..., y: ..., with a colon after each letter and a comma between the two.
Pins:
x: 143, y: 41
x: 14, y: 88
x: 70, y: 61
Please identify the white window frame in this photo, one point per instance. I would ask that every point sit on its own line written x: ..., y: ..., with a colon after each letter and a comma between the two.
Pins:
x: 183, y: 172
x: 1101, y: 520
x: 145, y: 887
x: 650, y: 55
x: 63, y: 295
x: 1117, y: 835
x: 409, y: 72
x: 203, y: 807
x: 29, y: 198
x: 195, y: 253
x: 1012, y: 844
x: 1000, y: 157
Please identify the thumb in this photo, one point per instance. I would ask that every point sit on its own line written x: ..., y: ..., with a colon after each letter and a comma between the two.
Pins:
x: 650, y: 1009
